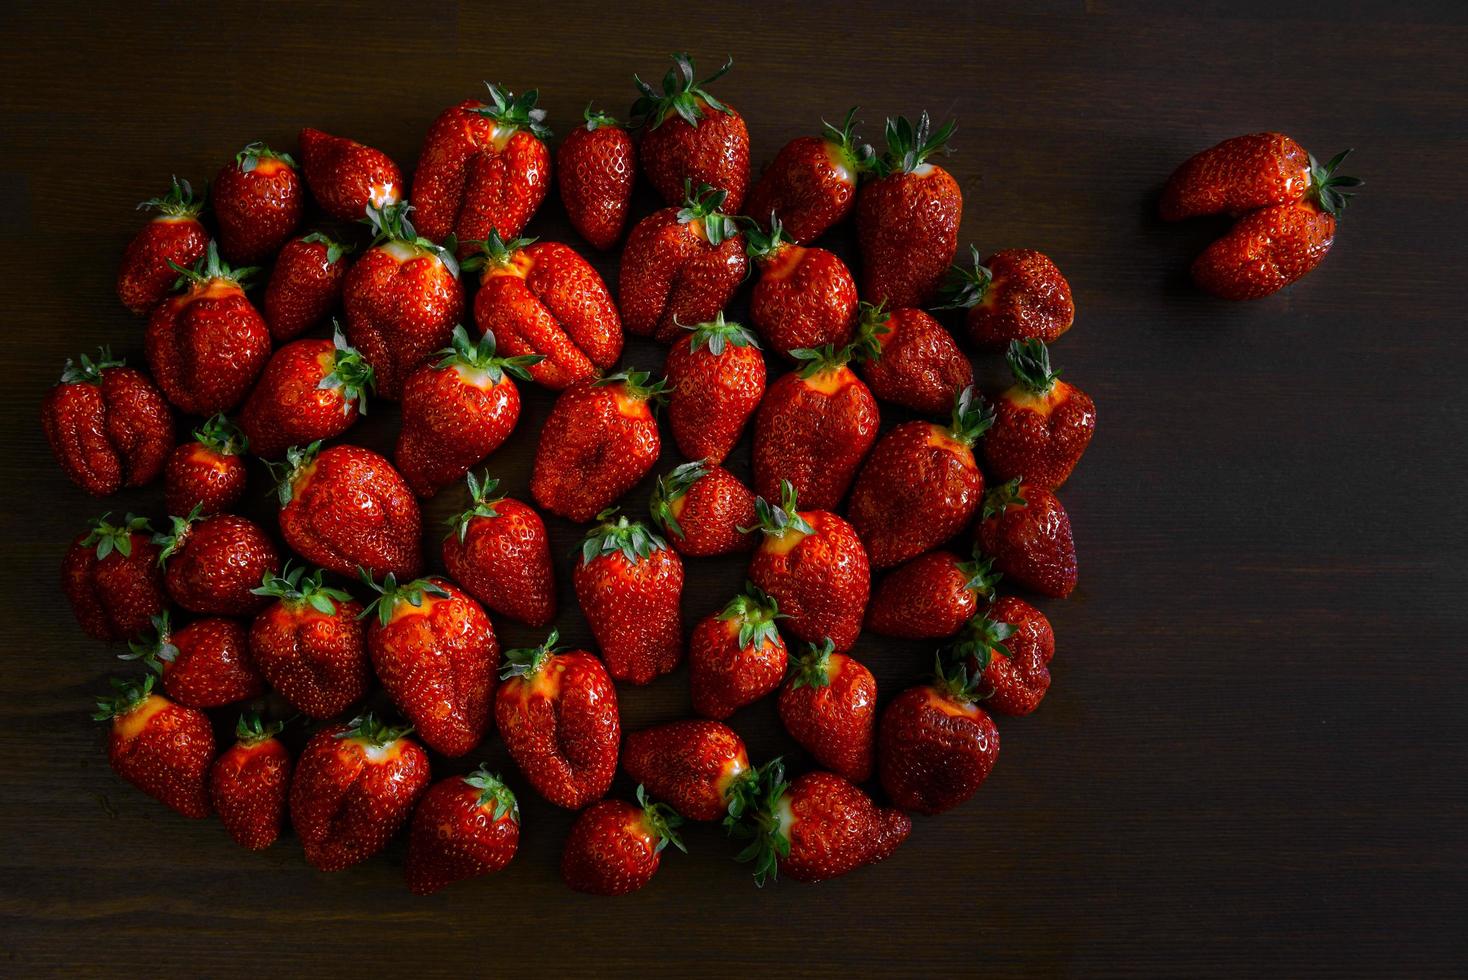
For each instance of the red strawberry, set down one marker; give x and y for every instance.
(110, 575)
(691, 136)
(1041, 425)
(212, 564)
(205, 664)
(557, 713)
(311, 390)
(805, 297)
(907, 218)
(175, 237)
(498, 552)
(1027, 533)
(346, 508)
(1009, 649)
(936, 745)
(258, 202)
(680, 265)
(820, 826)
(811, 184)
(599, 441)
(615, 847)
(931, 596)
(305, 285)
(162, 748)
(207, 344)
(346, 177)
(717, 379)
(909, 359)
(249, 782)
(735, 657)
(354, 787)
(920, 486)
(828, 704)
(402, 299)
(209, 472)
(465, 827)
(310, 644)
(704, 510)
(108, 426)
(435, 652)
(595, 168)
(1238, 175)
(693, 765)
(813, 428)
(630, 586)
(1016, 294)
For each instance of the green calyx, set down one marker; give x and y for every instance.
(297, 459)
(518, 113)
(631, 538)
(221, 436)
(179, 202)
(1004, 496)
(294, 587)
(126, 695)
(661, 820)
(857, 157)
(156, 649)
(636, 385)
(1029, 362)
(209, 268)
(703, 205)
(527, 661)
(719, 334)
(777, 521)
(391, 224)
(754, 816)
(249, 158)
(819, 360)
(251, 729)
(493, 792)
(965, 288)
(177, 534)
(374, 730)
(88, 371)
(981, 638)
(762, 246)
(908, 146)
(755, 612)
(813, 667)
(669, 489)
(982, 578)
(350, 373)
(335, 250)
(1325, 185)
(951, 676)
(873, 323)
(498, 252)
(108, 538)
(480, 356)
(481, 503)
(390, 594)
(596, 119)
(972, 416)
(681, 95)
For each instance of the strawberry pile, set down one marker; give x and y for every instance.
(337, 612)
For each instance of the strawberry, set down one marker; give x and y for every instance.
(1238, 175)
(907, 218)
(310, 390)
(498, 552)
(354, 788)
(457, 410)
(828, 704)
(920, 486)
(108, 426)
(615, 847)
(347, 177)
(909, 359)
(704, 510)
(175, 237)
(693, 765)
(402, 299)
(1016, 294)
(930, 597)
(162, 748)
(680, 265)
(599, 441)
(249, 782)
(735, 657)
(557, 714)
(691, 136)
(630, 586)
(817, 827)
(111, 578)
(805, 297)
(1042, 425)
(1009, 648)
(205, 664)
(435, 652)
(717, 378)
(208, 473)
(1027, 533)
(258, 202)
(346, 508)
(207, 344)
(305, 285)
(464, 827)
(811, 184)
(211, 565)
(813, 428)
(543, 299)
(595, 169)
(310, 644)
(936, 746)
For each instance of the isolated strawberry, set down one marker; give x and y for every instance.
(1027, 533)
(716, 378)
(930, 597)
(258, 201)
(464, 827)
(630, 587)
(1042, 425)
(249, 782)
(805, 297)
(208, 472)
(691, 136)
(310, 644)
(310, 390)
(694, 765)
(162, 748)
(704, 510)
(1009, 647)
(498, 553)
(557, 713)
(108, 426)
(205, 664)
(1016, 294)
(811, 183)
(735, 657)
(828, 704)
(346, 177)
(305, 285)
(595, 168)
(174, 237)
(936, 746)
(211, 565)
(111, 578)
(908, 358)
(1238, 175)
(615, 847)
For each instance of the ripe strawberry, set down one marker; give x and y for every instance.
(1238, 175)
(936, 746)
(207, 344)
(211, 565)
(1027, 533)
(691, 136)
(907, 218)
(545, 300)
(704, 510)
(305, 285)
(354, 787)
(615, 847)
(930, 597)
(1009, 649)
(805, 297)
(1042, 425)
(175, 237)
(108, 426)
(435, 652)
(595, 169)
(735, 657)
(347, 177)
(205, 664)
(110, 575)
(498, 552)
(828, 704)
(717, 379)
(249, 782)
(402, 299)
(909, 359)
(208, 473)
(680, 265)
(346, 508)
(811, 184)
(693, 765)
(599, 441)
(465, 827)
(310, 390)
(557, 714)
(258, 202)
(162, 748)
(1016, 294)
(630, 586)
(310, 644)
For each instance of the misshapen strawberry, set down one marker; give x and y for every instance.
(311, 390)
(735, 657)
(1240, 174)
(1042, 425)
(694, 766)
(310, 644)
(932, 596)
(205, 664)
(211, 565)
(630, 587)
(1009, 647)
(704, 510)
(811, 184)
(909, 359)
(464, 827)
(805, 297)
(1027, 533)
(162, 748)
(208, 472)
(595, 169)
(936, 746)
(1015, 294)
(111, 577)
(175, 237)
(249, 782)
(347, 177)
(498, 552)
(691, 136)
(305, 285)
(828, 704)
(258, 202)
(716, 378)
(615, 847)
(108, 426)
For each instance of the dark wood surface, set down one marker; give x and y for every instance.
(1252, 757)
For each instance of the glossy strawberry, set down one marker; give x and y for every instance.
(936, 746)
(258, 201)
(205, 664)
(346, 177)
(311, 390)
(1027, 533)
(249, 782)
(909, 359)
(1042, 425)
(108, 426)
(716, 379)
(811, 184)
(704, 510)
(690, 136)
(310, 643)
(174, 237)
(1009, 647)
(595, 168)
(464, 827)
(735, 657)
(805, 297)
(1016, 294)
(305, 285)
(615, 847)
(162, 748)
(930, 597)
(498, 552)
(694, 766)
(209, 472)
(828, 704)
(111, 578)
(212, 564)
(1240, 174)
(630, 587)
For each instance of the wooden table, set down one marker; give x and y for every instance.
(1252, 757)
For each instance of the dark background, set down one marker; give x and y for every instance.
(1252, 757)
